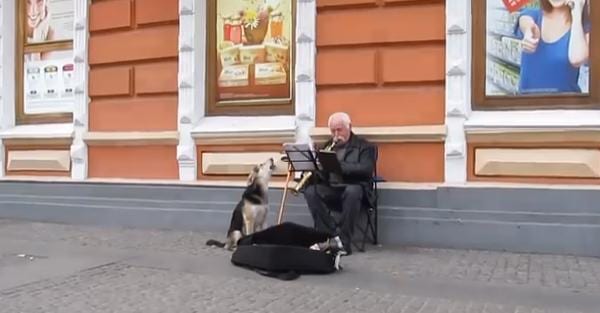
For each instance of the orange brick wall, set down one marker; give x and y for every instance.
(382, 61)
(139, 162)
(133, 56)
(133, 60)
(387, 55)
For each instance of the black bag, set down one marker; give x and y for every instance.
(283, 251)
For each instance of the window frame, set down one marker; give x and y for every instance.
(23, 48)
(524, 102)
(244, 107)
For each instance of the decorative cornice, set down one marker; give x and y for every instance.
(231, 138)
(533, 135)
(131, 138)
(33, 142)
(426, 133)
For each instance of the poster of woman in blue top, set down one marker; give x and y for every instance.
(543, 48)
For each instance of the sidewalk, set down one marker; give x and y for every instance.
(93, 269)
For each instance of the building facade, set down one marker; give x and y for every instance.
(191, 93)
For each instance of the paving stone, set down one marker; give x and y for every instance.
(121, 287)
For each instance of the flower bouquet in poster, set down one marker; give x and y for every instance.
(253, 49)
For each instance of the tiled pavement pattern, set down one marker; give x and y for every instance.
(118, 288)
(122, 286)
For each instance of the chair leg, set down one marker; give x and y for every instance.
(375, 229)
(365, 235)
(363, 232)
(372, 229)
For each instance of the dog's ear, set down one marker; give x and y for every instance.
(252, 176)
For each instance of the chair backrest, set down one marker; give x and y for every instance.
(375, 176)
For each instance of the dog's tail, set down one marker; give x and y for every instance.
(212, 242)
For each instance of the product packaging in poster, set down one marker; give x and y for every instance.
(537, 47)
(49, 85)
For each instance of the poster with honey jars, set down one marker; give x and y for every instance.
(254, 42)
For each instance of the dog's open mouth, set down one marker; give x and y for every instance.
(273, 166)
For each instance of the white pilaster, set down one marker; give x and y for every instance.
(192, 34)
(458, 87)
(7, 72)
(306, 51)
(79, 155)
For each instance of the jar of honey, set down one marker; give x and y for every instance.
(276, 24)
(226, 28)
(235, 30)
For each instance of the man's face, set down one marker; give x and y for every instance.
(339, 131)
(35, 12)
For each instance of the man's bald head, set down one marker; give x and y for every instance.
(340, 127)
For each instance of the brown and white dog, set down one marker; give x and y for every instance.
(250, 213)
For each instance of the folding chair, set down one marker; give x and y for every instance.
(370, 227)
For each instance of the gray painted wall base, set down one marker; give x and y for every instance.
(510, 219)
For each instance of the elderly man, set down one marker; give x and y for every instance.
(325, 191)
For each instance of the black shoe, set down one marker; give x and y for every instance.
(332, 245)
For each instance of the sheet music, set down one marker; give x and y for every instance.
(302, 156)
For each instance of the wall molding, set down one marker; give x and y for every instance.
(192, 121)
(528, 162)
(540, 119)
(533, 135)
(38, 142)
(239, 163)
(244, 138)
(398, 134)
(39, 160)
(131, 138)
(39, 131)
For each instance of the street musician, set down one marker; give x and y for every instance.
(325, 191)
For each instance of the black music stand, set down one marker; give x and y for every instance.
(300, 158)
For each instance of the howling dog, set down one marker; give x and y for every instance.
(250, 213)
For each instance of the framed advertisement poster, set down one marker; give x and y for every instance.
(45, 71)
(250, 56)
(48, 85)
(48, 20)
(535, 54)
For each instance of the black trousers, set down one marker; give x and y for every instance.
(347, 200)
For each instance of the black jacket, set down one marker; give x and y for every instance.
(358, 165)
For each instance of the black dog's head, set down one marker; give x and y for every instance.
(262, 172)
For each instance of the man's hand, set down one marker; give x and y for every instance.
(531, 38)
